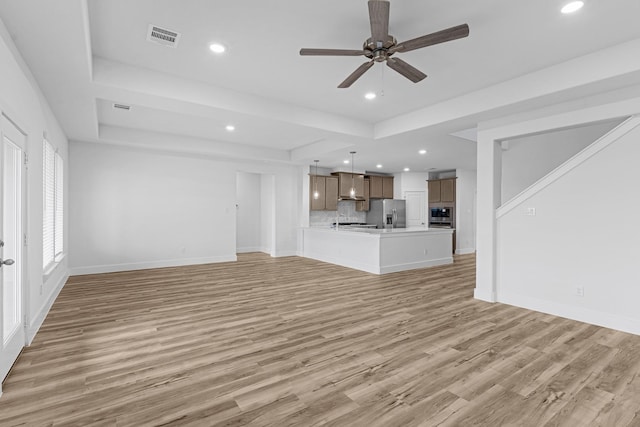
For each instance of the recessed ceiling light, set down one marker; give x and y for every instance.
(574, 6)
(422, 151)
(346, 162)
(407, 169)
(230, 128)
(217, 48)
(378, 166)
(370, 95)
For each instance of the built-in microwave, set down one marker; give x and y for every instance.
(441, 215)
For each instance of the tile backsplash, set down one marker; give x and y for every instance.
(346, 210)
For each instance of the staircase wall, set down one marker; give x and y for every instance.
(577, 257)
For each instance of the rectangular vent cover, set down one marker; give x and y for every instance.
(163, 36)
(122, 107)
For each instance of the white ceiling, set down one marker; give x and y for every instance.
(88, 54)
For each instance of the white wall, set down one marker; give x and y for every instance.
(268, 213)
(133, 209)
(288, 190)
(543, 259)
(137, 208)
(528, 159)
(465, 211)
(410, 181)
(248, 212)
(22, 101)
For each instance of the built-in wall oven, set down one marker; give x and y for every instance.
(441, 215)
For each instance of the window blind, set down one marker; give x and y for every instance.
(48, 224)
(59, 214)
(53, 205)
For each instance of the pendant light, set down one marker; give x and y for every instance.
(352, 193)
(316, 195)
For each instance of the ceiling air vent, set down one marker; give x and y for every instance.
(122, 107)
(163, 36)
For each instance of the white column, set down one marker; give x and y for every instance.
(489, 191)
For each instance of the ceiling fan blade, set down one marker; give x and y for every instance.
(331, 52)
(379, 19)
(356, 74)
(405, 69)
(449, 34)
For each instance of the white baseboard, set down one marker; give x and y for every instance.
(374, 268)
(414, 265)
(285, 253)
(36, 321)
(484, 295)
(586, 315)
(248, 249)
(97, 269)
(277, 254)
(465, 251)
(265, 250)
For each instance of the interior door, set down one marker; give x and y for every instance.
(11, 253)
(415, 208)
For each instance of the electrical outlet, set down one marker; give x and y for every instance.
(580, 291)
(530, 212)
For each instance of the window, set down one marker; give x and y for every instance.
(53, 206)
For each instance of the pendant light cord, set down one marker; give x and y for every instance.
(353, 184)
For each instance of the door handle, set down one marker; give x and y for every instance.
(6, 262)
(1, 243)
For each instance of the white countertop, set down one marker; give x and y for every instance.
(379, 231)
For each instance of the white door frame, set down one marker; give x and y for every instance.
(19, 338)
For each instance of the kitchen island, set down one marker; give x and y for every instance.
(379, 251)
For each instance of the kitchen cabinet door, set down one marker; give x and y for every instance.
(387, 187)
(317, 183)
(448, 190)
(434, 191)
(363, 206)
(347, 181)
(331, 193)
(375, 190)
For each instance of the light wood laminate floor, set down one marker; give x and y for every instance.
(296, 342)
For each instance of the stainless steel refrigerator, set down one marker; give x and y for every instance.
(387, 213)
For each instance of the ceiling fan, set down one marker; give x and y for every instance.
(381, 45)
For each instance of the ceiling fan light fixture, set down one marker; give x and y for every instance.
(382, 45)
(572, 7)
(217, 48)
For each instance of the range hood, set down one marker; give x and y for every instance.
(353, 199)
